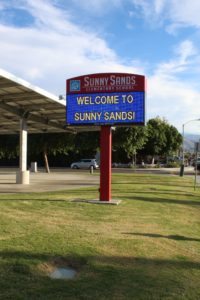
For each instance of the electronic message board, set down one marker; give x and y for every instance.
(106, 99)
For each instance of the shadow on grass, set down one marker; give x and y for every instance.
(175, 237)
(72, 199)
(155, 191)
(161, 200)
(102, 277)
(30, 195)
(152, 182)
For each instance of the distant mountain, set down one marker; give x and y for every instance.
(190, 140)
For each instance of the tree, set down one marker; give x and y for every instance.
(174, 140)
(163, 139)
(50, 143)
(9, 146)
(86, 144)
(131, 139)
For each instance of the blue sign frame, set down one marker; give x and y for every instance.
(118, 108)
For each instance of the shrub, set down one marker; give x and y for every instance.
(173, 164)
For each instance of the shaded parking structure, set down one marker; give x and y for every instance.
(24, 109)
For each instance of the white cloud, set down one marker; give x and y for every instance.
(172, 99)
(185, 12)
(185, 50)
(145, 6)
(178, 14)
(151, 10)
(98, 6)
(171, 96)
(54, 49)
(159, 6)
(186, 56)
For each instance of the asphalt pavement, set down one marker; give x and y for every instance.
(65, 178)
(41, 181)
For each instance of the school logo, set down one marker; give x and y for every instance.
(75, 85)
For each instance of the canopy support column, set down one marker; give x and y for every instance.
(22, 176)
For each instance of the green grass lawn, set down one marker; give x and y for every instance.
(148, 247)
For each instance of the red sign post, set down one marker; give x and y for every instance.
(106, 99)
(106, 160)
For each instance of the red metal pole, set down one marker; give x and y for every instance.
(105, 163)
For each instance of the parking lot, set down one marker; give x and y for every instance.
(58, 179)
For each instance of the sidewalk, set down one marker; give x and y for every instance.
(46, 182)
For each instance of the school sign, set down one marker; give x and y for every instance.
(106, 99)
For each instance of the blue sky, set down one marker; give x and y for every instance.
(47, 41)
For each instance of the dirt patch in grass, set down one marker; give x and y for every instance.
(49, 267)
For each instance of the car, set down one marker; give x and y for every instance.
(86, 163)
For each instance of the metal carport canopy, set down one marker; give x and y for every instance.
(43, 111)
(24, 107)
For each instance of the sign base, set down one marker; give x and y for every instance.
(111, 202)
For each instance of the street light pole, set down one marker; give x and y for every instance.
(183, 150)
